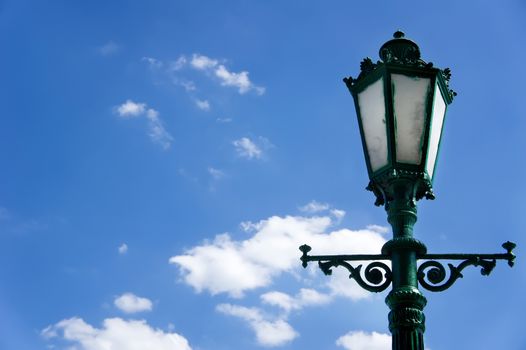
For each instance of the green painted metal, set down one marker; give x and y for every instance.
(400, 56)
(398, 187)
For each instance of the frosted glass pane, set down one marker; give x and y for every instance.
(409, 104)
(439, 111)
(372, 111)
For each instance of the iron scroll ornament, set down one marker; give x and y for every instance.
(376, 276)
(431, 274)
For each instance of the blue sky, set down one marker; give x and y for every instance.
(162, 160)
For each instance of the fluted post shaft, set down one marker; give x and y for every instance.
(406, 318)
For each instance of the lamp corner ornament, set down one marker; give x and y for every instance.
(367, 66)
(446, 74)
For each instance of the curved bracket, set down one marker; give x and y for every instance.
(432, 273)
(376, 276)
(436, 273)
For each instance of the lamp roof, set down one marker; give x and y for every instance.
(400, 50)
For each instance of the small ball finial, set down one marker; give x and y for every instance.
(400, 50)
(398, 34)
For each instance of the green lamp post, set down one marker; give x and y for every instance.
(401, 103)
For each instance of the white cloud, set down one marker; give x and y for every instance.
(246, 148)
(115, 333)
(359, 340)
(239, 80)
(268, 332)
(201, 62)
(211, 67)
(108, 49)
(338, 214)
(131, 303)
(314, 207)
(225, 265)
(306, 297)
(203, 105)
(249, 226)
(131, 109)
(378, 228)
(340, 284)
(123, 248)
(224, 120)
(216, 173)
(156, 129)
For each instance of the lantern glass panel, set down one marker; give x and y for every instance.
(437, 120)
(371, 102)
(409, 105)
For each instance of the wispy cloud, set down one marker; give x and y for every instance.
(216, 173)
(203, 105)
(214, 68)
(305, 297)
(268, 332)
(153, 62)
(156, 129)
(188, 85)
(314, 207)
(131, 303)
(179, 63)
(239, 80)
(224, 120)
(108, 49)
(360, 340)
(246, 148)
(123, 249)
(115, 333)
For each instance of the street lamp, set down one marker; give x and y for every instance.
(401, 104)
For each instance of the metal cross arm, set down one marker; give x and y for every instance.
(431, 274)
(377, 275)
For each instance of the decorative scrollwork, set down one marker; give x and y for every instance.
(432, 274)
(377, 276)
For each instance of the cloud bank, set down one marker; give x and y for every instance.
(115, 333)
(226, 265)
